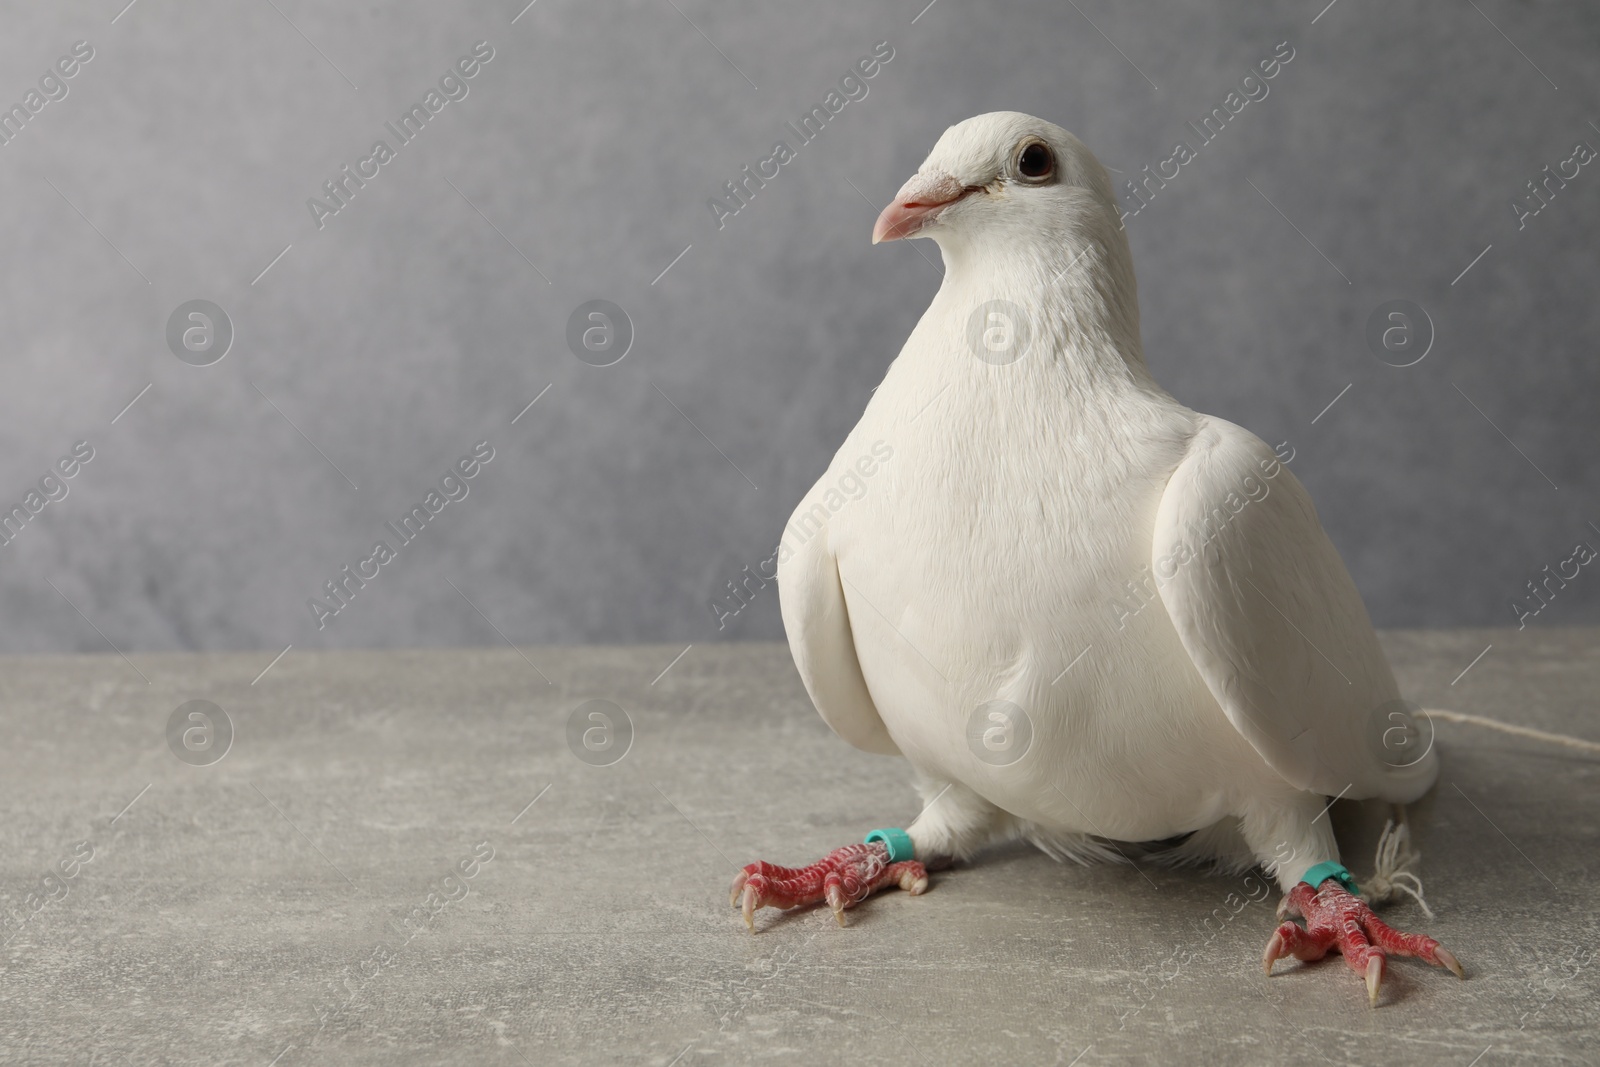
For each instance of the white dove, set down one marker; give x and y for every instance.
(1083, 612)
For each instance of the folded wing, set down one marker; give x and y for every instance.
(1267, 612)
(818, 625)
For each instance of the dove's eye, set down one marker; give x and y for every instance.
(1036, 162)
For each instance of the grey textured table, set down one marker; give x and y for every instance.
(234, 913)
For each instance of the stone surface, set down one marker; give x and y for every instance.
(231, 903)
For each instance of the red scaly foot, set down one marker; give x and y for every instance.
(1337, 919)
(844, 878)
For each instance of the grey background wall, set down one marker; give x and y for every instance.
(424, 315)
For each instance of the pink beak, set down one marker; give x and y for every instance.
(917, 203)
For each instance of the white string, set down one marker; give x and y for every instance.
(1521, 731)
(1392, 874)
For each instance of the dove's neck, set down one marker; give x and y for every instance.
(1077, 291)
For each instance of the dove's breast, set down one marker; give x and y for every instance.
(991, 563)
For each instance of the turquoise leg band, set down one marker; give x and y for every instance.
(899, 843)
(1323, 871)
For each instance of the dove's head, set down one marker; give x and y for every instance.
(1022, 211)
(1002, 177)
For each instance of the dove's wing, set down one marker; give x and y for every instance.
(1265, 608)
(818, 625)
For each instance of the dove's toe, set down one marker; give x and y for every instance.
(1337, 919)
(843, 878)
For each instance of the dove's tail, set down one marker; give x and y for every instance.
(1520, 731)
